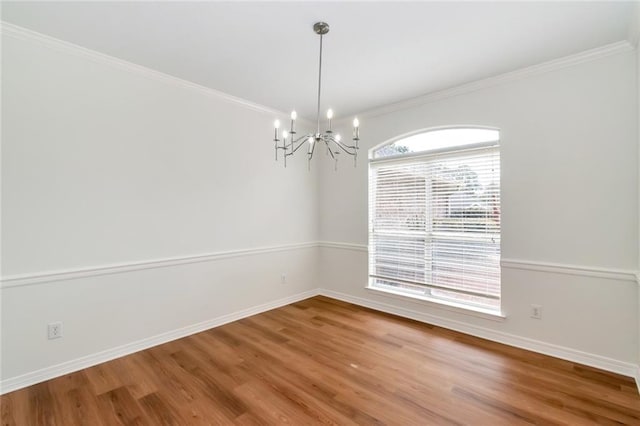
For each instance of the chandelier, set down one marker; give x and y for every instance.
(333, 142)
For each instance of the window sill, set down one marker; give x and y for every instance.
(443, 304)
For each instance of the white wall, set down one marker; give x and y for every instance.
(105, 164)
(634, 36)
(109, 170)
(569, 201)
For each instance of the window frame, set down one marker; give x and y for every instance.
(453, 151)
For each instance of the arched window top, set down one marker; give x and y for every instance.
(437, 140)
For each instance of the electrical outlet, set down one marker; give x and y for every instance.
(536, 311)
(55, 330)
(283, 278)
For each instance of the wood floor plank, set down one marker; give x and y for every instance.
(121, 408)
(43, 405)
(323, 361)
(160, 411)
(7, 410)
(82, 408)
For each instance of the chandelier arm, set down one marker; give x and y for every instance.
(306, 137)
(351, 150)
(312, 149)
(303, 138)
(333, 139)
(329, 139)
(300, 141)
(330, 151)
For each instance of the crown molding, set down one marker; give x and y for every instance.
(22, 33)
(25, 34)
(544, 67)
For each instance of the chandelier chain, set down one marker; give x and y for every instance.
(319, 85)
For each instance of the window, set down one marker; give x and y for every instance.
(434, 217)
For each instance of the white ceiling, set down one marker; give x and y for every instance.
(375, 54)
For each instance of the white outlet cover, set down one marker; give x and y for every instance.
(54, 330)
(536, 311)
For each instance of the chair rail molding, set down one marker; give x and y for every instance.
(529, 265)
(70, 274)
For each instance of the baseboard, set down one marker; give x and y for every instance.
(604, 363)
(19, 382)
(573, 355)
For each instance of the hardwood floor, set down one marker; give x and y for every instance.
(325, 361)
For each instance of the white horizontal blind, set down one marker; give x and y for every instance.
(435, 225)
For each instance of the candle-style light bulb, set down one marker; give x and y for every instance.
(310, 150)
(276, 125)
(294, 115)
(330, 114)
(284, 135)
(338, 137)
(356, 130)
